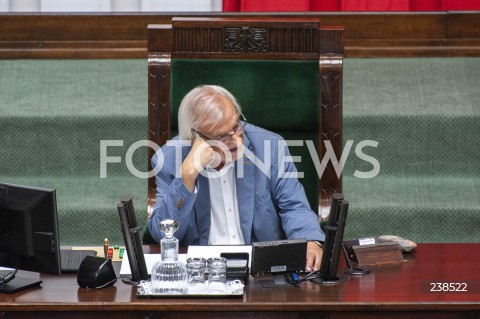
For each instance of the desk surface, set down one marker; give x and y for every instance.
(403, 288)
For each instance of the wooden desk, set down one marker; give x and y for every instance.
(400, 290)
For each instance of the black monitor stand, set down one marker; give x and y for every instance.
(10, 283)
(333, 239)
(278, 280)
(131, 235)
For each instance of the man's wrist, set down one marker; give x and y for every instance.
(318, 243)
(189, 176)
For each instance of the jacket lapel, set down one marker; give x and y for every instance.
(245, 182)
(202, 210)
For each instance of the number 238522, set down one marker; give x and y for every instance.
(448, 287)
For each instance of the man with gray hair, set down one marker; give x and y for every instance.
(211, 183)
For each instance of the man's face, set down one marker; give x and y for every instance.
(226, 136)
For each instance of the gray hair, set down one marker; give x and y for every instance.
(202, 105)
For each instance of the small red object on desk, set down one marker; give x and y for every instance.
(110, 253)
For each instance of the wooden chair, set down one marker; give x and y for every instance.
(286, 74)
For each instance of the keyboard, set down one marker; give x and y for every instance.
(71, 259)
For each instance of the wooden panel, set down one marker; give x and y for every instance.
(160, 39)
(244, 37)
(463, 25)
(73, 27)
(327, 42)
(246, 315)
(83, 27)
(390, 25)
(114, 35)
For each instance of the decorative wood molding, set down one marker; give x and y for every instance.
(331, 125)
(158, 103)
(245, 39)
(118, 35)
(217, 36)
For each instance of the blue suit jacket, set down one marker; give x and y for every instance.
(270, 208)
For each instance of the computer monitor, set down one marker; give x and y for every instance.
(28, 234)
(333, 241)
(133, 243)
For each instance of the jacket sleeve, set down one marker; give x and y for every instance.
(173, 200)
(298, 219)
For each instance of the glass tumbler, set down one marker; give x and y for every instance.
(196, 275)
(217, 275)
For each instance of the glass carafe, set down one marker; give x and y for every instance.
(169, 276)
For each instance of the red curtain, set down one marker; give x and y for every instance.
(450, 5)
(266, 5)
(375, 5)
(325, 5)
(348, 5)
(425, 5)
(231, 5)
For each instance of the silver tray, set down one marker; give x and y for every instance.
(145, 293)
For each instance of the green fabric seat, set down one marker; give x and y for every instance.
(53, 115)
(423, 112)
(425, 115)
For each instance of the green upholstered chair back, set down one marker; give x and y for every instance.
(286, 74)
(280, 96)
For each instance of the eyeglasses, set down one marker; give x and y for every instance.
(236, 130)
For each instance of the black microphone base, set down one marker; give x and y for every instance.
(330, 282)
(356, 271)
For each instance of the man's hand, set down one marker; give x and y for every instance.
(314, 256)
(200, 155)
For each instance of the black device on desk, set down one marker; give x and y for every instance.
(334, 230)
(72, 258)
(28, 234)
(279, 256)
(133, 243)
(237, 266)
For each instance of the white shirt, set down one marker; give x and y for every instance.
(225, 218)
